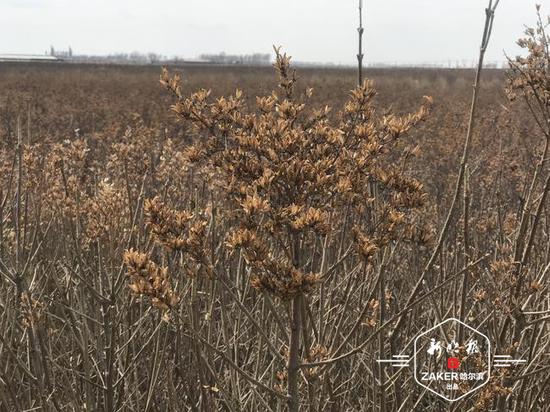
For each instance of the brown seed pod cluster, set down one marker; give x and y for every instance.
(286, 168)
(150, 280)
(32, 310)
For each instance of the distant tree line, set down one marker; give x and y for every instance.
(122, 58)
(153, 58)
(60, 53)
(223, 58)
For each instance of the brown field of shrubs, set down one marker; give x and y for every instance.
(262, 245)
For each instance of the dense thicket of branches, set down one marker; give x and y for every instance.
(258, 254)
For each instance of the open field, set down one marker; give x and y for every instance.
(105, 100)
(146, 265)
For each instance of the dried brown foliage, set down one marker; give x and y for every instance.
(285, 169)
(277, 238)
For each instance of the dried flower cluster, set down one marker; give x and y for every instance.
(32, 310)
(150, 280)
(286, 168)
(528, 76)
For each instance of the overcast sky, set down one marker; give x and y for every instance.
(396, 31)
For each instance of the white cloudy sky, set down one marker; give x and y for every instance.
(397, 31)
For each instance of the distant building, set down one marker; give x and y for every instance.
(28, 58)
